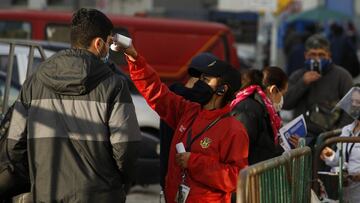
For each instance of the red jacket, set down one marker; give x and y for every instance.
(216, 157)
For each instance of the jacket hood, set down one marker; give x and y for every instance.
(73, 72)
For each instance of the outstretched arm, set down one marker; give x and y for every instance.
(167, 104)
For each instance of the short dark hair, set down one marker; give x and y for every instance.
(87, 24)
(274, 75)
(317, 41)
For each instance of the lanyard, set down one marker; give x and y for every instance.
(347, 152)
(190, 141)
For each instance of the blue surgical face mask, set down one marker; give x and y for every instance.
(105, 58)
(325, 64)
(320, 66)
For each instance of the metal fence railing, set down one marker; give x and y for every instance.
(286, 178)
(12, 43)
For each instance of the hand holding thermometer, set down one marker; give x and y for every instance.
(120, 41)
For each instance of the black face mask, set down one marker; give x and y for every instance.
(201, 92)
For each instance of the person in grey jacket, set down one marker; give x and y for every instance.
(315, 89)
(75, 121)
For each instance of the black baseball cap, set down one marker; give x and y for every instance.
(209, 64)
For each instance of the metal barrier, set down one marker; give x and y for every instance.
(12, 44)
(326, 135)
(285, 179)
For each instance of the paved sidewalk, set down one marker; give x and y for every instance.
(139, 194)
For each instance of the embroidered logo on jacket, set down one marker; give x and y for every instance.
(205, 143)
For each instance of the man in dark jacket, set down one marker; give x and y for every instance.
(315, 89)
(75, 121)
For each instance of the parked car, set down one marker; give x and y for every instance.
(148, 165)
(167, 44)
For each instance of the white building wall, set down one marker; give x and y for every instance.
(126, 7)
(129, 7)
(246, 5)
(37, 4)
(306, 4)
(250, 5)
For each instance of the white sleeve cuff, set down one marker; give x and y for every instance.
(330, 158)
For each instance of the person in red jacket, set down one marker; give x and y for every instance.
(216, 143)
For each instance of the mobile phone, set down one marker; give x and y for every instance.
(315, 66)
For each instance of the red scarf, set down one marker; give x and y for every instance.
(274, 117)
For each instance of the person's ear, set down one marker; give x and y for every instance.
(98, 44)
(273, 89)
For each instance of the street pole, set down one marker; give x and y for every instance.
(274, 33)
(260, 43)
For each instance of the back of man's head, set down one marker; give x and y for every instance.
(317, 41)
(87, 24)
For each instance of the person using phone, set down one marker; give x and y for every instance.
(317, 87)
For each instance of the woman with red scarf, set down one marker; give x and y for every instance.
(257, 105)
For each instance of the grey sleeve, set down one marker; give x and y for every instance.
(17, 134)
(296, 91)
(124, 133)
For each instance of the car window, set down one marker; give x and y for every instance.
(57, 33)
(15, 29)
(4, 60)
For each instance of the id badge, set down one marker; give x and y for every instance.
(182, 193)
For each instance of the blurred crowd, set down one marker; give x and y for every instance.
(72, 135)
